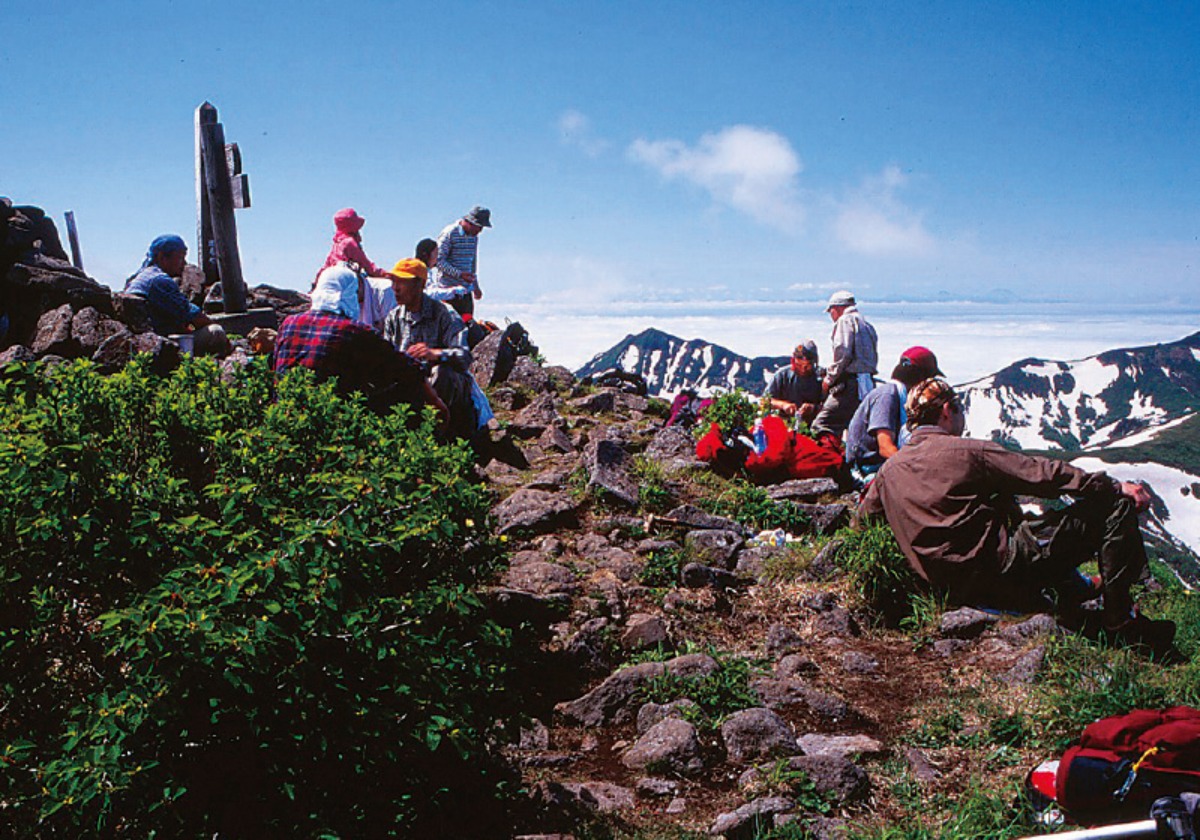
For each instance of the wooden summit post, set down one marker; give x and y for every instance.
(215, 203)
(73, 238)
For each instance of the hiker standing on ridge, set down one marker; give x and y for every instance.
(796, 390)
(951, 502)
(849, 377)
(879, 426)
(455, 277)
(169, 310)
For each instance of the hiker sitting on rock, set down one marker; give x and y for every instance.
(168, 309)
(329, 341)
(795, 391)
(951, 503)
(879, 426)
(434, 335)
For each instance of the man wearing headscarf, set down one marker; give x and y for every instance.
(169, 310)
(329, 341)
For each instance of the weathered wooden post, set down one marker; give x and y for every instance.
(204, 237)
(73, 238)
(219, 193)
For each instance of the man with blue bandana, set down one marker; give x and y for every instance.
(169, 310)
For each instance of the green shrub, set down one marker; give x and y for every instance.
(754, 507)
(730, 410)
(227, 613)
(662, 568)
(878, 571)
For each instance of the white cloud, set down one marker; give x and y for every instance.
(575, 129)
(871, 220)
(753, 170)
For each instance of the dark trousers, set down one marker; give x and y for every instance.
(838, 409)
(463, 304)
(1044, 552)
(454, 387)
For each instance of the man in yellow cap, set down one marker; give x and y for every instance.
(434, 335)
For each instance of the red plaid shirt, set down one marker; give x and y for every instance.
(332, 345)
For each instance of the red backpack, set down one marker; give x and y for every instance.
(1125, 762)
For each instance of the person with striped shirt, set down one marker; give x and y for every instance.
(454, 277)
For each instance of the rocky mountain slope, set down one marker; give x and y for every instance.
(670, 364)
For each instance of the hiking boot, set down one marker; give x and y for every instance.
(1154, 635)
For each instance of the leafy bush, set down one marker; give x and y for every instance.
(730, 410)
(662, 568)
(227, 613)
(754, 507)
(878, 571)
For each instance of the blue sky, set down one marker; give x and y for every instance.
(637, 152)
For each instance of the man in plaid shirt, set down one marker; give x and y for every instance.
(328, 341)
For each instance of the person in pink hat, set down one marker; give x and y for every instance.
(347, 244)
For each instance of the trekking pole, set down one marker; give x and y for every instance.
(1143, 828)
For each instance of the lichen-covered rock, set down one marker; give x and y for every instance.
(757, 734)
(782, 639)
(608, 466)
(1025, 670)
(16, 354)
(835, 777)
(670, 746)
(90, 328)
(612, 701)
(644, 631)
(116, 352)
(745, 822)
(601, 402)
(529, 374)
(671, 443)
(53, 333)
(803, 489)
(541, 577)
(652, 713)
(965, 623)
(535, 512)
(697, 518)
(713, 548)
(535, 418)
(699, 576)
(815, 743)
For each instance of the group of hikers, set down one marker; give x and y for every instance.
(953, 502)
(383, 333)
(401, 336)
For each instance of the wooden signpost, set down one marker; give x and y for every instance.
(221, 187)
(73, 238)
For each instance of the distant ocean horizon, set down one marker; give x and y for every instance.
(971, 340)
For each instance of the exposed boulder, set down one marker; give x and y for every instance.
(670, 746)
(713, 548)
(757, 734)
(117, 350)
(535, 512)
(965, 623)
(747, 821)
(53, 333)
(90, 328)
(608, 465)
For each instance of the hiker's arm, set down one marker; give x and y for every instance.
(886, 442)
(843, 350)
(1047, 478)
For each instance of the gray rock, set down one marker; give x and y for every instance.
(670, 746)
(608, 467)
(745, 822)
(697, 518)
(826, 828)
(555, 438)
(644, 631)
(53, 333)
(90, 329)
(631, 402)
(794, 665)
(17, 354)
(825, 519)
(601, 797)
(491, 360)
(656, 546)
(652, 788)
(39, 285)
(512, 607)
(117, 350)
(536, 417)
(835, 777)
(652, 713)
(923, 771)
(536, 737)
(529, 374)
(835, 622)
(841, 745)
(820, 601)
(1026, 669)
(752, 562)
(560, 377)
(535, 512)
(541, 577)
(803, 489)
(757, 734)
(506, 398)
(670, 443)
(602, 402)
(549, 480)
(859, 663)
(699, 576)
(965, 623)
(588, 648)
(946, 648)
(782, 639)
(612, 700)
(676, 806)
(713, 548)
(824, 565)
(779, 693)
(1033, 627)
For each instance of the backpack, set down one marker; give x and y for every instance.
(1124, 763)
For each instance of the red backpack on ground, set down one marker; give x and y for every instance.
(1125, 762)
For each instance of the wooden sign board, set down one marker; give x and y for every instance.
(241, 191)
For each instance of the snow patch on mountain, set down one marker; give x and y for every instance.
(1178, 520)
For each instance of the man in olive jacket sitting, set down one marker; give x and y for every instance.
(951, 502)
